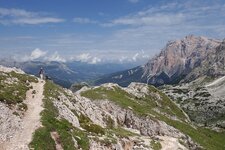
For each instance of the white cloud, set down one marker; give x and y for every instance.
(87, 58)
(33, 21)
(134, 1)
(135, 57)
(20, 16)
(95, 60)
(34, 55)
(37, 53)
(55, 57)
(172, 14)
(84, 21)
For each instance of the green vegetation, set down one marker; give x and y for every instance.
(65, 130)
(14, 87)
(141, 106)
(51, 124)
(82, 139)
(22, 107)
(121, 132)
(156, 145)
(207, 138)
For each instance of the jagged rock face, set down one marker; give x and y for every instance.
(212, 65)
(179, 57)
(10, 123)
(204, 103)
(145, 125)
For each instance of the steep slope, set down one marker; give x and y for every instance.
(123, 78)
(30, 121)
(174, 62)
(103, 117)
(20, 108)
(212, 65)
(108, 117)
(203, 100)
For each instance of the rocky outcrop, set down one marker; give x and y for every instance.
(9, 121)
(178, 58)
(202, 100)
(212, 65)
(7, 69)
(146, 125)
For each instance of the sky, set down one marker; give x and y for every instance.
(99, 31)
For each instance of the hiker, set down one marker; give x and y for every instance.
(41, 73)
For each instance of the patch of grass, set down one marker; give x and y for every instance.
(16, 113)
(156, 145)
(209, 139)
(121, 132)
(42, 140)
(109, 121)
(94, 128)
(81, 138)
(24, 77)
(15, 92)
(141, 106)
(22, 107)
(87, 124)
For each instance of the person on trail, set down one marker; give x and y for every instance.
(41, 73)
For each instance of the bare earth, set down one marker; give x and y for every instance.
(169, 143)
(30, 121)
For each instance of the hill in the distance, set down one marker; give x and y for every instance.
(65, 74)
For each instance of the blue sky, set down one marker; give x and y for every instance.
(96, 31)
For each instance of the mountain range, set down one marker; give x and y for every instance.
(67, 73)
(179, 61)
(39, 114)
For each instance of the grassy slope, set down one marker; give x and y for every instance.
(15, 92)
(209, 139)
(42, 139)
(141, 106)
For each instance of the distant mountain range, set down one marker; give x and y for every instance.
(179, 61)
(65, 74)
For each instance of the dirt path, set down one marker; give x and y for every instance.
(169, 143)
(31, 119)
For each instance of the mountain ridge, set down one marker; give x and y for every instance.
(175, 61)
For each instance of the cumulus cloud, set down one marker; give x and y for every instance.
(34, 55)
(37, 53)
(87, 58)
(40, 55)
(21, 16)
(55, 57)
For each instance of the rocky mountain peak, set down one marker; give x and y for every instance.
(180, 56)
